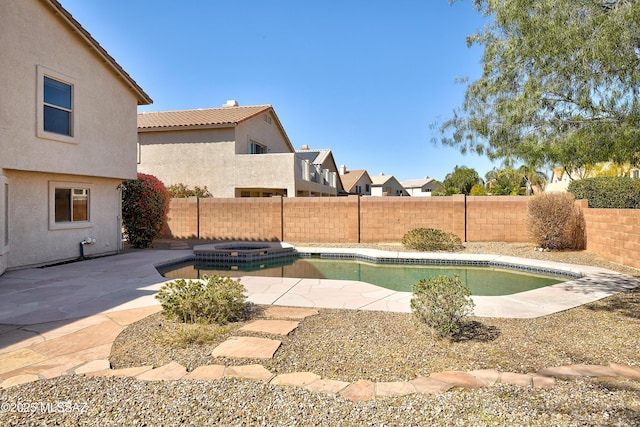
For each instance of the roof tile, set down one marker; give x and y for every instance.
(201, 117)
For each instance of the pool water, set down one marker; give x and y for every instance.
(482, 281)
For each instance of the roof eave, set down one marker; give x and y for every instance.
(143, 98)
(187, 127)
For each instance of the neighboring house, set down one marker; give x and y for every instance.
(560, 178)
(355, 181)
(67, 137)
(386, 185)
(323, 165)
(421, 187)
(235, 151)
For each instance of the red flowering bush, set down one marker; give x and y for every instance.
(145, 204)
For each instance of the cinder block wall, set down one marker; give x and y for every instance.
(497, 219)
(614, 234)
(183, 218)
(321, 219)
(241, 218)
(387, 219)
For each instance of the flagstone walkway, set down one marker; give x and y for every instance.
(82, 348)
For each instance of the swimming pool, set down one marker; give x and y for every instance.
(484, 280)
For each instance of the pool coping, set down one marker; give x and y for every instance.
(590, 284)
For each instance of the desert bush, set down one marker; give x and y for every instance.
(145, 205)
(608, 192)
(215, 299)
(555, 222)
(431, 239)
(443, 303)
(182, 191)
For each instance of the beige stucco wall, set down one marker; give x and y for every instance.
(35, 42)
(105, 110)
(268, 134)
(32, 242)
(217, 157)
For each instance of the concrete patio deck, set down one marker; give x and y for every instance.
(63, 319)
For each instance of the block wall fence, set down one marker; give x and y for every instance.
(613, 234)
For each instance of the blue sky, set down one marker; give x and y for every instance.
(363, 78)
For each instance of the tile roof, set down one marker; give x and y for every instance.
(415, 183)
(350, 178)
(380, 179)
(143, 98)
(202, 117)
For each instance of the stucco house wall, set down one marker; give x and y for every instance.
(210, 148)
(99, 154)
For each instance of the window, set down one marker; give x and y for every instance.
(72, 204)
(358, 189)
(56, 107)
(69, 205)
(256, 148)
(367, 188)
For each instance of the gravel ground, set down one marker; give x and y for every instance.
(350, 345)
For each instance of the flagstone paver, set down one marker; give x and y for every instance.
(209, 372)
(394, 388)
(93, 366)
(458, 379)
(429, 385)
(486, 376)
(269, 326)
(247, 347)
(19, 379)
(327, 386)
(559, 372)
(595, 371)
(170, 371)
(542, 382)
(297, 379)
(19, 359)
(360, 391)
(523, 380)
(250, 372)
(123, 372)
(626, 371)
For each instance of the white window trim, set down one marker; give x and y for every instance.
(53, 225)
(40, 132)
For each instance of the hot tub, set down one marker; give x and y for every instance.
(242, 251)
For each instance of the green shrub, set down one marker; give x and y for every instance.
(478, 190)
(431, 239)
(215, 299)
(443, 303)
(183, 191)
(145, 204)
(555, 222)
(608, 192)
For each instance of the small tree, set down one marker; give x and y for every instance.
(145, 204)
(443, 303)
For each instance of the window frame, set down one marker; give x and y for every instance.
(63, 185)
(43, 72)
(253, 143)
